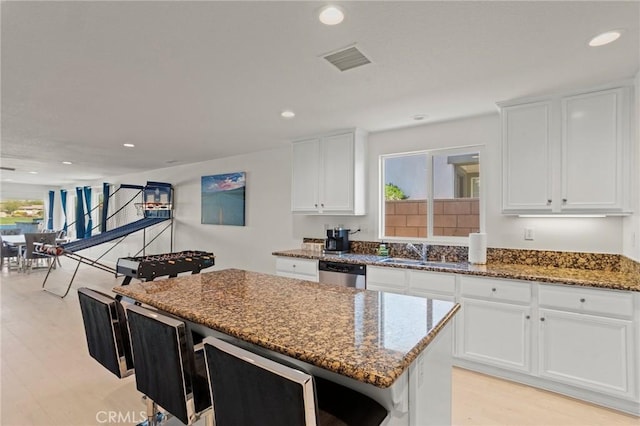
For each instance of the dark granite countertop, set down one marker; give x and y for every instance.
(581, 277)
(369, 336)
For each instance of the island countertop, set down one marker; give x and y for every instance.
(366, 335)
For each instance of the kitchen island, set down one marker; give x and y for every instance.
(394, 348)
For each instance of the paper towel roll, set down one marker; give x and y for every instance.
(478, 248)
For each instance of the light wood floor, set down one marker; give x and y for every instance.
(48, 378)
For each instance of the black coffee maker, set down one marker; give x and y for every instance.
(337, 241)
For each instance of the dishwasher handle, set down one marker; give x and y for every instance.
(343, 268)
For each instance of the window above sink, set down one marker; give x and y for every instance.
(433, 195)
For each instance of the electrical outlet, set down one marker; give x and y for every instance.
(529, 234)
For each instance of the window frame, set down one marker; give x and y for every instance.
(430, 153)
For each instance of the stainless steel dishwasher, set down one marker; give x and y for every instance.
(344, 274)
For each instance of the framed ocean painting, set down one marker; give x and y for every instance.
(223, 199)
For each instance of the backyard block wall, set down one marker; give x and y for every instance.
(408, 218)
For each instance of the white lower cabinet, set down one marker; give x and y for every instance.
(391, 280)
(495, 333)
(589, 351)
(569, 339)
(432, 285)
(494, 324)
(302, 269)
(586, 339)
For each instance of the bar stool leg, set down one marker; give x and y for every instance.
(152, 413)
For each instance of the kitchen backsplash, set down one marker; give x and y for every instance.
(559, 259)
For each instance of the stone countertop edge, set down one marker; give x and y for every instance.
(169, 295)
(545, 274)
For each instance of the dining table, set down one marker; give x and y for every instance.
(19, 242)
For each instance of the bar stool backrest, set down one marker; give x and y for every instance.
(106, 331)
(165, 363)
(248, 389)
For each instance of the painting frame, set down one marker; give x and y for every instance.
(223, 199)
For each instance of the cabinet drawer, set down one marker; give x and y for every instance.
(297, 266)
(603, 302)
(387, 277)
(493, 289)
(432, 282)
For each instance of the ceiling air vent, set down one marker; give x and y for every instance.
(348, 58)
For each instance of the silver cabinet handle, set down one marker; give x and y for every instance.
(583, 300)
(549, 202)
(322, 205)
(315, 205)
(564, 201)
(527, 317)
(493, 289)
(542, 319)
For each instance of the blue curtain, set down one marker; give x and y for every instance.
(79, 213)
(52, 195)
(87, 199)
(63, 198)
(105, 207)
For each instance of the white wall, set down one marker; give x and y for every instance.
(631, 229)
(271, 225)
(268, 217)
(603, 235)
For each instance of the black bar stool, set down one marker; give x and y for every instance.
(168, 370)
(105, 327)
(250, 390)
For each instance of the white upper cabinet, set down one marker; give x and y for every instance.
(568, 153)
(329, 174)
(526, 157)
(593, 144)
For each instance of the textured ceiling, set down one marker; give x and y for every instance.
(191, 81)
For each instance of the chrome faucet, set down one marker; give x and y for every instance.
(422, 253)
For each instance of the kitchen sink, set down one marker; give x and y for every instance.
(416, 262)
(401, 261)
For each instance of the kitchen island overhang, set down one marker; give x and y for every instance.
(394, 348)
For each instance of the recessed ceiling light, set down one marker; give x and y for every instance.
(33, 173)
(128, 145)
(605, 38)
(67, 162)
(419, 117)
(331, 15)
(287, 114)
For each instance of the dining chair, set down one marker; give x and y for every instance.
(169, 372)
(31, 255)
(8, 252)
(105, 326)
(279, 394)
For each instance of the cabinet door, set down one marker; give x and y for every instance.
(305, 180)
(592, 151)
(494, 333)
(392, 280)
(588, 351)
(336, 183)
(526, 171)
